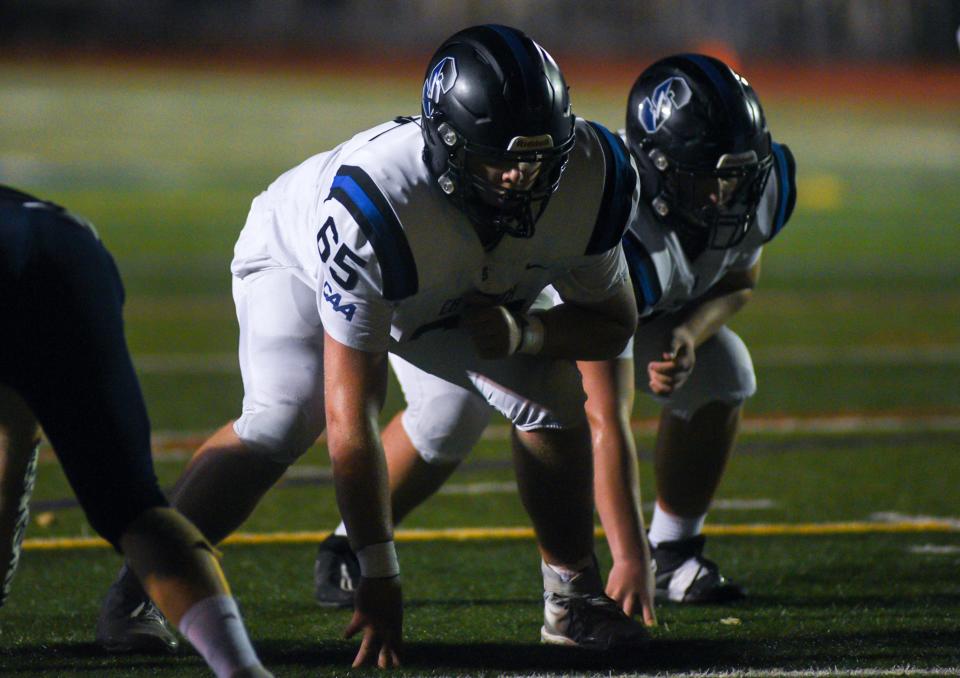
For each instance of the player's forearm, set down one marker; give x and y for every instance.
(363, 496)
(617, 491)
(708, 317)
(596, 332)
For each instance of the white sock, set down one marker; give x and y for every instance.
(213, 626)
(667, 527)
(341, 530)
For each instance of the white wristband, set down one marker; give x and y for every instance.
(379, 561)
(531, 338)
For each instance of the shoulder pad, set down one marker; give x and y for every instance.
(359, 194)
(784, 173)
(619, 183)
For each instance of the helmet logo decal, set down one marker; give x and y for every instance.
(440, 81)
(668, 96)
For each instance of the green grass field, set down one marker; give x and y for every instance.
(857, 316)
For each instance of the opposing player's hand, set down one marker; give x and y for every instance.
(378, 612)
(631, 584)
(494, 331)
(672, 372)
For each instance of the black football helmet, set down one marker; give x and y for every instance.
(697, 131)
(493, 100)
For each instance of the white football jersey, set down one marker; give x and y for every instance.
(391, 258)
(665, 279)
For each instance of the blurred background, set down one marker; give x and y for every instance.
(819, 30)
(160, 120)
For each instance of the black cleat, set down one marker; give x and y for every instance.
(685, 576)
(336, 573)
(576, 612)
(589, 621)
(130, 622)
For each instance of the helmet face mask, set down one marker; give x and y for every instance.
(702, 146)
(721, 201)
(497, 127)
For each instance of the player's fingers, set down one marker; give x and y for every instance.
(368, 651)
(388, 658)
(628, 605)
(356, 623)
(649, 615)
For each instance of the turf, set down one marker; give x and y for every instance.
(856, 314)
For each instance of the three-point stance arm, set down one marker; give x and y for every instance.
(354, 384)
(610, 395)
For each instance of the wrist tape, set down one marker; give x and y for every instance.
(531, 334)
(379, 561)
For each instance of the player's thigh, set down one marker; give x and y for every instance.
(281, 363)
(443, 420)
(533, 392)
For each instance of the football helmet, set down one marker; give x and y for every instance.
(495, 103)
(698, 133)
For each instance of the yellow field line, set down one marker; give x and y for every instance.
(478, 533)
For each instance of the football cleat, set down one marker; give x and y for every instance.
(336, 572)
(130, 622)
(685, 576)
(576, 612)
(590, 621)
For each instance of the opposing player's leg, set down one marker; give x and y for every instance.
(80, 383)
(19, 439)
(696, 436)
(424, 445)
(281, 363)
(180, 571)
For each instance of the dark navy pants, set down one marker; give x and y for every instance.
(62, 348)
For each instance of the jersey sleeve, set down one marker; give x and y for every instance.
(620, 192)
(597, 278)
(784, 173)
(366, 262)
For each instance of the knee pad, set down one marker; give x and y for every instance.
(281, 433)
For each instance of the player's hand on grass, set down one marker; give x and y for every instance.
(631, 585)
(672, 372)
(378, 612)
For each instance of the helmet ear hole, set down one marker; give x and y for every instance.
(448, 135)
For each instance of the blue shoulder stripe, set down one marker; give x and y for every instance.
(354, 189)
(620, 180)
(643, 272)
(785, 171)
